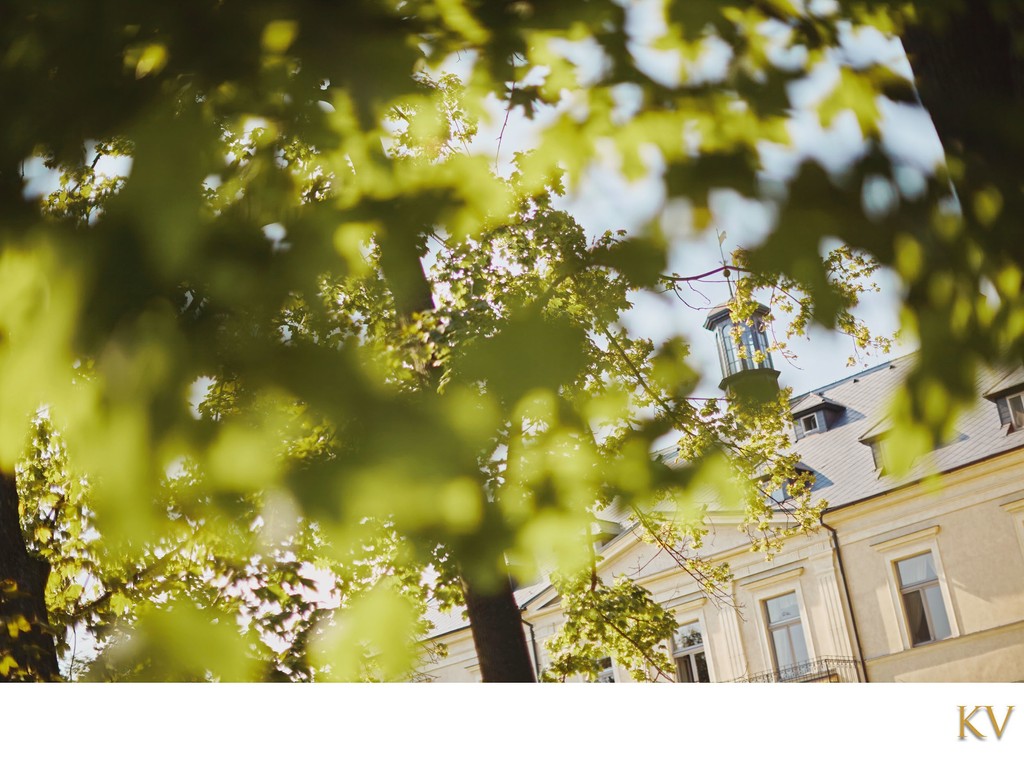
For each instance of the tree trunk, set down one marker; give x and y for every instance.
(27, 650)
(494, 616)
(497, 626)
(970, 78)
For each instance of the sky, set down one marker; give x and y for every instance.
(605, 200)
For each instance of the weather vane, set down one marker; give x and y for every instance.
(725, 265)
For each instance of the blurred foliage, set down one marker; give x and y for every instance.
(288, 356)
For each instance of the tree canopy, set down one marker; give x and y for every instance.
(285, 354)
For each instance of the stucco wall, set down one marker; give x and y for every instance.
(970, 521)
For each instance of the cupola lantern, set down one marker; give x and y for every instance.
(749, 373)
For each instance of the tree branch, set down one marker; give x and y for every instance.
(135, 579)
(723, 269)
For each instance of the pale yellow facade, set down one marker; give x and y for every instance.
(972, 521)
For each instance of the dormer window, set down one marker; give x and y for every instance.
(1011, 409)
(1008, 395)
(876, 438)
(782, 493)
(815, 413)
(1015, 404)
(877, 456)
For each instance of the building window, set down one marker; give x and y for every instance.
(780, 494)
(923, 606)
(605, 671)
(691, 659)
(1016, 406)
(786, 633)
(752, 339)
(880, 455)
(1011, 409)
(809, 423)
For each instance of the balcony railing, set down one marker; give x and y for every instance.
(826, 670)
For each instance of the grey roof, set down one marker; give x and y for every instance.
(813, 401)
(876, 430)
(843, 465)
(445, 622)
(1010, 380)
(722, 308)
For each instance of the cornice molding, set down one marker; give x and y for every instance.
(906, 539)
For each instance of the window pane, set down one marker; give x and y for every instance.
(729, 347)
(796, 637)
(917, 623)
(748, 346)
(702, 668)
(763, 340)
(917, 569)
(1017, 411)
(782, 608)
(684, 670)
(688, 637)
(783, 653)
(937, 609)
(605, 671)
(759, 336)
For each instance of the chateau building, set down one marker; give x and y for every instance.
(917, 577)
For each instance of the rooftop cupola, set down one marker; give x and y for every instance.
(749, 372)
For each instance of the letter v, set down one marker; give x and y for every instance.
(992, 718)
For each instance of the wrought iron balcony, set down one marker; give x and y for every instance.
(829, 670)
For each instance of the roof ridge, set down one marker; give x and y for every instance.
(863, 372)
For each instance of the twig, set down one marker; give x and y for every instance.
(702, 580)
(722, 269)
(501, 134)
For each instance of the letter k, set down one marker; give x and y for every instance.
(965, 723)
